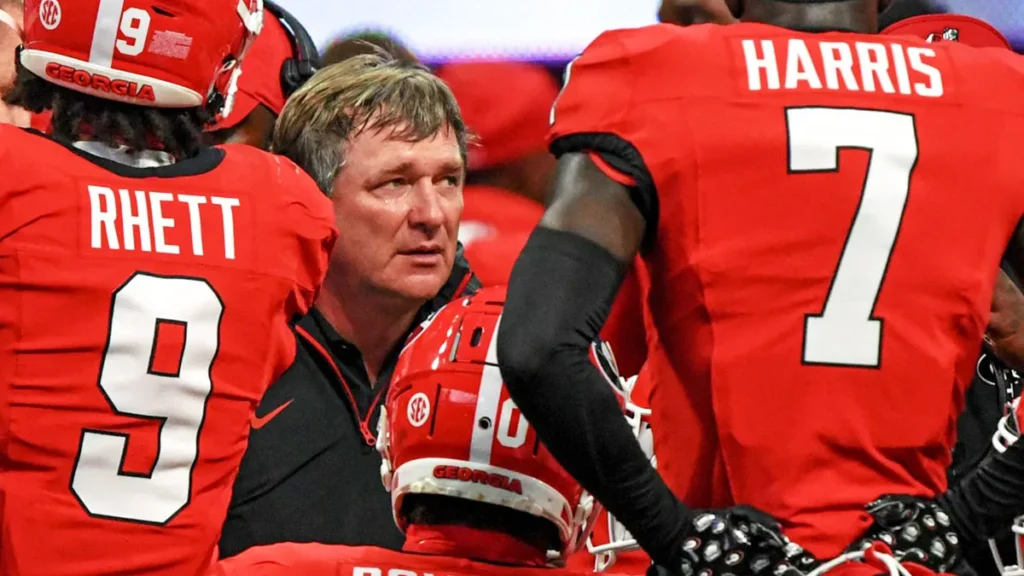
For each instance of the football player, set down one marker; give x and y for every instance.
(146, 284)
(282, 59)
(995, 383)
(783, 178)
(472, 487)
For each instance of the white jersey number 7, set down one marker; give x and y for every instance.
(846, 332)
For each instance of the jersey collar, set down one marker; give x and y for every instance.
(471, 543)
(121, 155)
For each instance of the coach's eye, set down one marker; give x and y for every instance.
(394, 183)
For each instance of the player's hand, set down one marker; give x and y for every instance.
(741, 541)
(917, 530)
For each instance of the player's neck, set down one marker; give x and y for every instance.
(373, 324)
(848, 16)
(472, 543)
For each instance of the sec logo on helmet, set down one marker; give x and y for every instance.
(50, 14)
(419, 409)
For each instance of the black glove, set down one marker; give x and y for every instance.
(917, 530)
(741, 541)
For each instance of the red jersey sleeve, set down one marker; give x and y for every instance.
(310, 221)
(597, 111)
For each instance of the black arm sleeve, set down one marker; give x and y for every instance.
(987, 499)
(560, 294)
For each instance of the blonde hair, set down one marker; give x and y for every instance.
(367, 92)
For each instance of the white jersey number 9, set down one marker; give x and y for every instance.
(118, 29)
(137, 385)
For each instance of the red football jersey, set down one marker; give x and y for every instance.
(145, 311)
(332, 560)
(830, 212)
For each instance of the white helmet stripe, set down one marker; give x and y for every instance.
(487, 403)
(104, 36)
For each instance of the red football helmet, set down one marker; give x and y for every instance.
(950, 28)
(450, 428)
(156, 53)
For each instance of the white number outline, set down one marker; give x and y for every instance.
(137, 34)
(487, 409)
(847, 332)
(92, 464)
(112, 20)
(504, 427)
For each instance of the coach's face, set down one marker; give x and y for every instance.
(398, 206)
(10, 38)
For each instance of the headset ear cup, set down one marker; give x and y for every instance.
(297, 70)
(291, 79)
(307, 69)
(295, 73)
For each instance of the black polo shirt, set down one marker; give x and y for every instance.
(311, 472)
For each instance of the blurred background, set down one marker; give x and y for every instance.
(548, 31)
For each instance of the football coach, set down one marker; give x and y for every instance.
(385, 140)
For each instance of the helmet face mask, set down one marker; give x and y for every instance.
(155, 53)
(610, 538)
(1007, 433)
(449, 428)
(1016, 569)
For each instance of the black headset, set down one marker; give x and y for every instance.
(295, 71)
